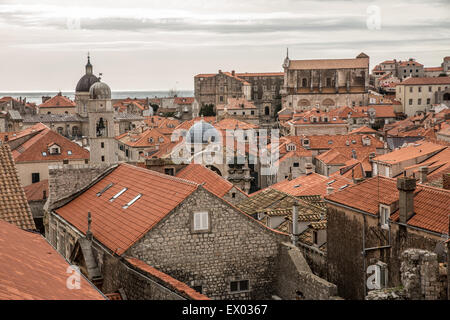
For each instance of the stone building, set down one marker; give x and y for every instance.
(59, 104)
(103, 146)
(370, 224)
(420, 94)
(188, 232)
(263, 89)
(37, 147)
(326, 84)
(240, 109)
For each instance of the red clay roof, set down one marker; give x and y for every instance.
(148, 138)
(31, 269)
(118, 228)
(14, 207)
(362, 130)
(35, 191)
(431, 205)
(416, 150)
(178, 286)
(233, 124)
(311, 184)
(33, 149)
(184, 100)
(58, 101)
(426, 80)
(212, 181)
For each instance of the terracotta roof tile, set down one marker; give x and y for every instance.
(426, 81)
(32, 150)
(329, 64)
(417, 150)
(58, 101)
(178, 286)
(118, 228)
(31, 269)
(36, 191)
(212, 181)
(14, 207)
(431, 205)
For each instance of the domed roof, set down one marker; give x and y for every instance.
(202, 132)
(100, 90)
(85, 83)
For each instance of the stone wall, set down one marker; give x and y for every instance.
(234, 248)
(421, 279)
(120, 275)
(295, 281)
(65, 180)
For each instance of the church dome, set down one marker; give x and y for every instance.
(100, 90)
(202, 132)
(85, 83)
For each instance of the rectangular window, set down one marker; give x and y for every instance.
(102, 145)
(296, 164)
(35, 177)
(169, 171)
(199, 289)
(410, 101)
(430, 89)
(419, 101)
(410, 89)
(420, 89)
(65, 161)
(103, 158)
(428, 101)
(239, 286)
(315, 238)
(201, 221)
(118, 194)
(384, 217)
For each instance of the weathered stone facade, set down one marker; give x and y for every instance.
(295, 279)
(235, 248)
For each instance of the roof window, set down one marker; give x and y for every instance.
(330, 182)
(104, 189)
(118, 194)
(343, 187)
(132, 201)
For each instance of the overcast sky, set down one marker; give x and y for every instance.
(159, 45)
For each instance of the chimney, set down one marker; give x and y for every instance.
(233, 73)
(446, 181)
(330, 190)
(406, 187)
(44, 194)
(308, 168)
(423, 172)
(220, 71)
(295, 232)
(89, 232)
(290, 176)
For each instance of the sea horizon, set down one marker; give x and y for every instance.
(36, 96)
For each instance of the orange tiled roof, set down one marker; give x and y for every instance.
(212, 181)
(329, 64)
(417, 150)
(148, 138)
(363, 130)
(236, 103)
(173, 283)
(233, 124)
(326, 142)
(58, 101)
(311, 184)
(14, 207)
(409, 63)
(35, 191)
(188, 124)
(261, 74)
(426, 81)
(433, 69)
(33, 149)
(381, 111)
(118, 228)
(31, 269)
(184, 100)
(430, 204)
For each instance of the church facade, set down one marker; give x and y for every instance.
(325, 83)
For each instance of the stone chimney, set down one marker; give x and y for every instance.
(423, 172)
(89, 232)
(233, 73)
(406, 187)
(290, 176)
(330, 190)
(308, 168)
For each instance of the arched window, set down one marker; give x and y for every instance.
(304, 82)
(101, 129)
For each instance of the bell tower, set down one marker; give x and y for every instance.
(82, 89)
(103, 146)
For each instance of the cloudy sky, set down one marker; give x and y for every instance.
(162, 44)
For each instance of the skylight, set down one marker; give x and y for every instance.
(44, 154)
(104, 189)
(343, 187)
(330, 182)
(118, 194)
(69, 152)
(132, 201)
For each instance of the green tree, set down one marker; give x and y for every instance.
(207, 110)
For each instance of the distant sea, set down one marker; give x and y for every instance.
(36, 97)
